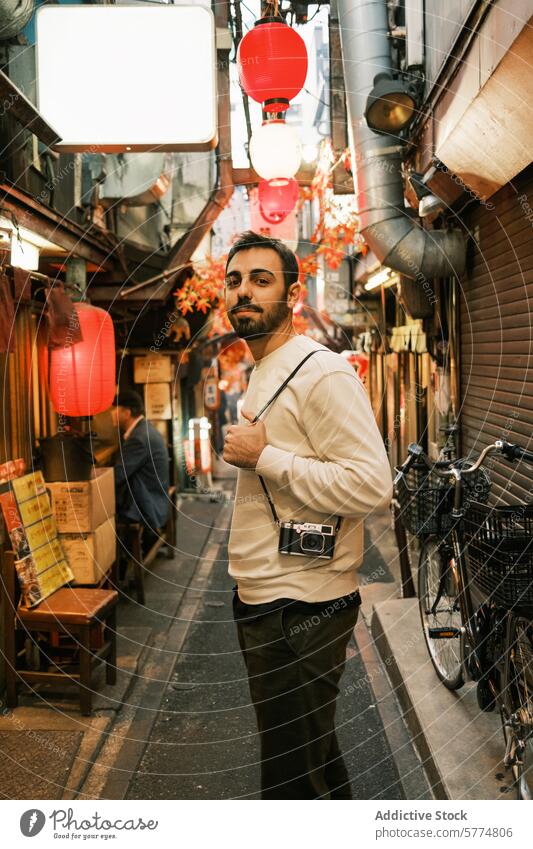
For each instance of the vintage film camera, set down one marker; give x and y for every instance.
(307, 539)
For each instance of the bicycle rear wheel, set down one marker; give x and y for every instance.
(437, 583)
(517, 704)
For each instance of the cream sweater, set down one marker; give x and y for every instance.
(324, 458)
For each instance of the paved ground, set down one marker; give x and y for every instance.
(49, 747)
(179, 723)
(204, 744)
(36, 766)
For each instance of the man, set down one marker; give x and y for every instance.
(320, 455)
(142, 471)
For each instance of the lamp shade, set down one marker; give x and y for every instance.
(275, 150)
(272, 63)
(82, 376)
(277, 198)
(390, 106)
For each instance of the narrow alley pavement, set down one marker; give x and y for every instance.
(179, 723)
(204, 742)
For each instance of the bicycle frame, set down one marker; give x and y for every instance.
(454, 559)
(495, 636)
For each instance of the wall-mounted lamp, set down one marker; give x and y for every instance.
(24, 245)
(384, 277)
(24, 254)
(391, 105)
(429, 204)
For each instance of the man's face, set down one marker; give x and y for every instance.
(121, 418)
(256, 298)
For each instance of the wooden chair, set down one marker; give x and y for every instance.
(70, 610)
(131, 539)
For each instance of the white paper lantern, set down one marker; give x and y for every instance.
(275, 150)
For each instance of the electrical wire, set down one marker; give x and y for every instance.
(307, 91)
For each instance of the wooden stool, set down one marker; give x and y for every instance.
(70, 610)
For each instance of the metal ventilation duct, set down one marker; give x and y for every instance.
(396, 238)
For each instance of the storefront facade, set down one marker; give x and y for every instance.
(495, 331)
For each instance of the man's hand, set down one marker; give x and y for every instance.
(244, 443)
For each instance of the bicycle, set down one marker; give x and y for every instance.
(475, 589)
(407, 586)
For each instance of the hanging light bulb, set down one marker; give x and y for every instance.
(275, 150)
(272, 63)
(277, 198)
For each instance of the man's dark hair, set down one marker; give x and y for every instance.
(289, 263)
(131, 400)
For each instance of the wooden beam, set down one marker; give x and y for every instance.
(249, 177)
(67, 234)
(342, 180)
(25, 112)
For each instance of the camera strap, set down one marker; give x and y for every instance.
(278, 391)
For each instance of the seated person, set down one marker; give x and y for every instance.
(142, 470)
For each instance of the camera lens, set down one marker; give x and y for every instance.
(312, 542)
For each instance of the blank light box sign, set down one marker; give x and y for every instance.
(117, 78)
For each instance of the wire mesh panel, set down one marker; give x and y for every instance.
(426, 499)
(499, 547)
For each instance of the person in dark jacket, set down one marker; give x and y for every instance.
(142, 470)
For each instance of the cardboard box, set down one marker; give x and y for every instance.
(157, 401)
(91, 555)
(82, 506)
(152, 369)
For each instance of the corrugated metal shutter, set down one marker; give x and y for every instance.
(497, 333)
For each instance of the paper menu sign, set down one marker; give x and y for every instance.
(28, 486)
(40, 562)
(41, 532)
(157, 401)
(14, 525)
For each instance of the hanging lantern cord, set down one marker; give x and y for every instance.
(271, 9)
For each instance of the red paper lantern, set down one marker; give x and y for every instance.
(272, 63)
(82, 376)
(277, 198)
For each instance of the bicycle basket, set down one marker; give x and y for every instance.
(499, 549)
(426, 499)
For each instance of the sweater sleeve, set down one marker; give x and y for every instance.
(350, 475)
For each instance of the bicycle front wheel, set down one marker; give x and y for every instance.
(438, 599)
(517, 704)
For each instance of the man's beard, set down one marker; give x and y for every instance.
(250, 327)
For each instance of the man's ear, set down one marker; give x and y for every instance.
(293, 294)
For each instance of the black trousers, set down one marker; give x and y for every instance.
(295, 658)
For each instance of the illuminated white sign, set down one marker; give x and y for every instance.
(116, 78)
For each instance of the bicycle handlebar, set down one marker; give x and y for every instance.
(515, 452)
(450, 468)
(415, 452)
